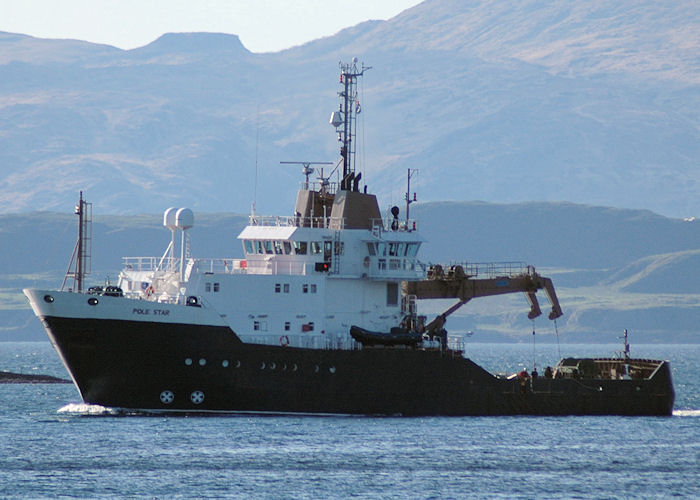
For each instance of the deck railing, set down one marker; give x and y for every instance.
(480, 269)
(296, 221)
(148, 264)
(388, 224)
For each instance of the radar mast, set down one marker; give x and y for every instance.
(345, 123)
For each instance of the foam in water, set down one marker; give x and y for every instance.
(87, 409)
(686, 413)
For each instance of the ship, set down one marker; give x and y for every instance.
(320, 317)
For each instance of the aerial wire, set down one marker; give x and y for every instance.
(257, 143)
(363, 146)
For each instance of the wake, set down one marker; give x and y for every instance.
(686, 413)
(86, 409)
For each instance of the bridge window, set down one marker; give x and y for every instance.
(315, 247)
(300, 247)
(278, 287)
(287, 247)
(372, 248)
(248, 246)
(268, 246)
(259, 247)
(278, 247)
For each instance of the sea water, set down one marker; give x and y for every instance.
(53, 446)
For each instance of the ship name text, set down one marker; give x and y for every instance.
(154, 312)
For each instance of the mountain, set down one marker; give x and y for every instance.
(612, 268)
(595, 103)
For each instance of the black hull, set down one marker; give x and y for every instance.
(178, 367)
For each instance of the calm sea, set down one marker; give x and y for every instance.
(51, 446)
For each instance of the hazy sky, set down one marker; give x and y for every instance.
(263, 25)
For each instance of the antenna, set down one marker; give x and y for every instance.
(344, 120)
(307, 170)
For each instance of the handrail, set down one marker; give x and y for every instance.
(296, 221)
(226, 265)
(389, 224)
(483, 269)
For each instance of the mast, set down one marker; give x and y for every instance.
(345, 123)
(409, 200)
(81, 253)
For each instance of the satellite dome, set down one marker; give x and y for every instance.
(169, 218)
(184, 218)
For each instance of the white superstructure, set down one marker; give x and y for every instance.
(302, 281)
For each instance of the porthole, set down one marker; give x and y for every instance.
(224, 363)
(238, 363)
(638, 388)
(48, 299)
(273, 365)
(167, 397)
(188, 361)
(197, 397)
(316, 368)
(202, 361)
(331, 369)
(262, 365)
(294, 367)
(93, 301)
(284, 367)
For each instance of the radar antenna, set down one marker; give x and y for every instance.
(307, 169)
(344, 120)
